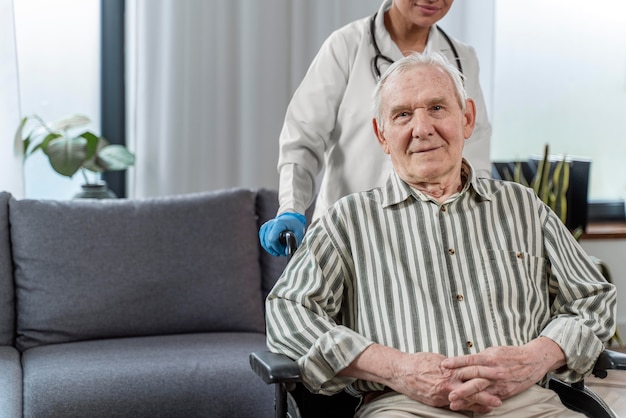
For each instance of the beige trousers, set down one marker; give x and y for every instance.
(535, 402)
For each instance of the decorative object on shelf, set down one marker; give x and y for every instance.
(70, 148)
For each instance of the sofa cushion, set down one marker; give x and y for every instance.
(10, 382)
(87, 269)
(193, 375)
(7, 299)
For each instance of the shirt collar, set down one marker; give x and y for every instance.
(397, 190)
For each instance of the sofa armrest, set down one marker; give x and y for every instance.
(274, 368)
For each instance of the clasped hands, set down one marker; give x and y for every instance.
(476, 382)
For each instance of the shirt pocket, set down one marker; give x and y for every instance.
(516, 286)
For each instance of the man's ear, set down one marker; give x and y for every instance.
(380, 136)
(469, 117)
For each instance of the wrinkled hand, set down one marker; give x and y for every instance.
(270, 231)
(421, 377)
(501, 371)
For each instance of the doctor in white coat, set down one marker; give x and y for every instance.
(328, 122)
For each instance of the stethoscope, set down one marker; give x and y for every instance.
(379, 56)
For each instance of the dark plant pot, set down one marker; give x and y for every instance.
(95, 191)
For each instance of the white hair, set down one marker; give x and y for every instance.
(433, 59)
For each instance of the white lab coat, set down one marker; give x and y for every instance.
(328, 124)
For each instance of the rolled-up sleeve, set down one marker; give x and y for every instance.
(584, 302)
(302, 311)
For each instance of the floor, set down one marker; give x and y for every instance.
(612, 389)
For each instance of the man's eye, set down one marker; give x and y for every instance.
(437, 107)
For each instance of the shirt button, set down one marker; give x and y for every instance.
(520, 255)
(451, 251)
(470, 344)
(443, 208)
(459, 297)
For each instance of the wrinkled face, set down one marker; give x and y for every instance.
(423, 127)
(424, 13)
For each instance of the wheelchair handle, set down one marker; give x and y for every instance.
(288, 238)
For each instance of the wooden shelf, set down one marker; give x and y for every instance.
(605, 230)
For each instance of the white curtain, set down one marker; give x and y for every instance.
(208, 84)
(11, 165)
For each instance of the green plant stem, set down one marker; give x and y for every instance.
(82, 171)
(42, 123)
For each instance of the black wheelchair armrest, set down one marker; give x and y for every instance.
(291, 397)
(274, 368)
(609, 360)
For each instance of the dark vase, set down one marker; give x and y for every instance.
(98, 190)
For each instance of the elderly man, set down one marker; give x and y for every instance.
(439, 294)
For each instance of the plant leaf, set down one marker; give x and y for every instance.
(578, 232)
(25, 145)
(70, 122)
(519, 175)
(19, 135)
(542, 177)
(66, 154)
(92, 163)
(555, 188)
(560, 186)
(506, 174)
(46, 141)
(93, 143)
(115, 157)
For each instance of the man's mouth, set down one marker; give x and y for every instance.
(424, 150)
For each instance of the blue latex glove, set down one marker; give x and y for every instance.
(270, 231)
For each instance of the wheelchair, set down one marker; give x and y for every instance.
(293, 400)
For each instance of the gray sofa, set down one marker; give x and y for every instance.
(134, 308)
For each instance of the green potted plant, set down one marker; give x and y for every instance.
(549, 184)
(71, 148)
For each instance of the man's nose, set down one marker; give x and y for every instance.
(422, 125)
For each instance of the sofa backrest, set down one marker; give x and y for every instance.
(88, 269)
(7, 299)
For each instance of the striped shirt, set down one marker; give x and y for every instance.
(491, 266)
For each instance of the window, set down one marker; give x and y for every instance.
(560, 78)
(58, 46)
